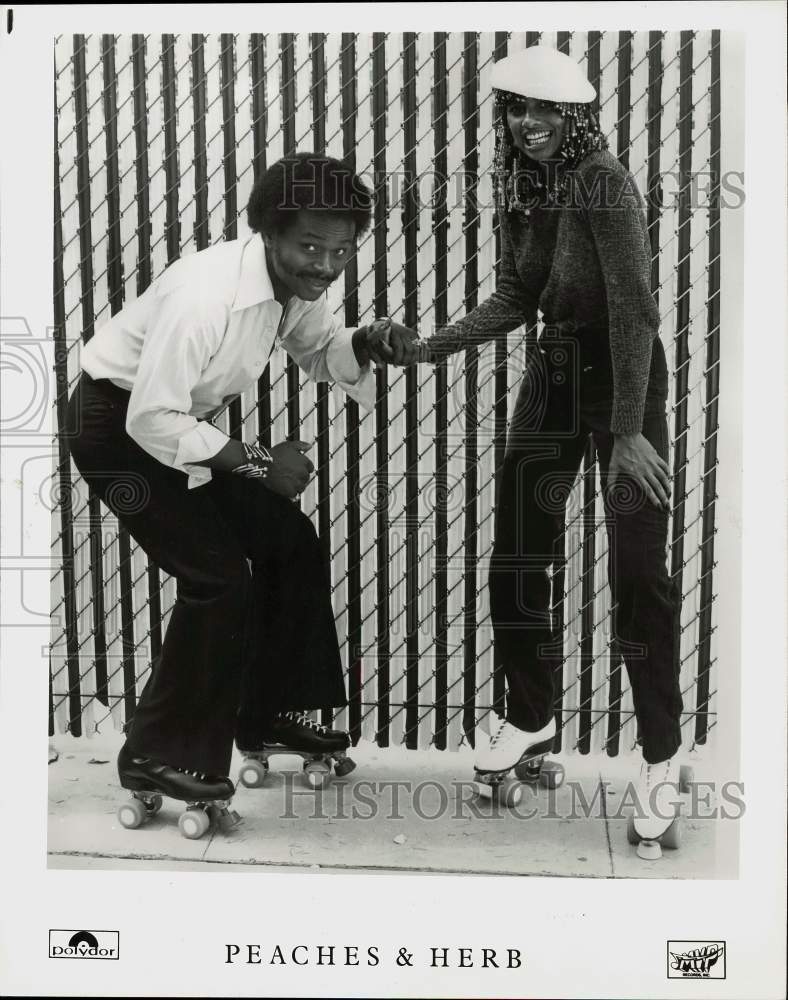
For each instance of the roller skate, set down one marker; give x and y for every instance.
(295, 734)
(657, 823)
(513, 750)
(207, 797)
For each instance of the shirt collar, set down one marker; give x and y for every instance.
(254, 284)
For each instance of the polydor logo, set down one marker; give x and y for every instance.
(84, 944)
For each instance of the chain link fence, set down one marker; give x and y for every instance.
(158, 142)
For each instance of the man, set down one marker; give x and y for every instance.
(246, 651)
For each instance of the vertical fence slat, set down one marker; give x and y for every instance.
(259, 140)
(87, 302)
(290, 144)
(201, 232)
(169, 98)
(379, 110)
(470, 118)
(348, 106)
(144, 277)
(230, 174)
(654, 180)
(501, 406)
(440, 226)
(712, 391)
(681, 374)
(64, 462)
(411, 525)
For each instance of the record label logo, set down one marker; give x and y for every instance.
(696, 960)
(84, 944)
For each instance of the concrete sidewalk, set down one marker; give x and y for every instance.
(400, 810)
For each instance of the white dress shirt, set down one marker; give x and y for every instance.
(201, 334)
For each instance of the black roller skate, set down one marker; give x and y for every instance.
(294, 733)
(207, 797)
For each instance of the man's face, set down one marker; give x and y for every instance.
(311, 253)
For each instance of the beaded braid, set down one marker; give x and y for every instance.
(582, 135)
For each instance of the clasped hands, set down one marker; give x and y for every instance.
(388, 343)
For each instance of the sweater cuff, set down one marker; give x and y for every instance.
(627, 417)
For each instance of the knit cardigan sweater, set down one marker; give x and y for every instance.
(584, 263)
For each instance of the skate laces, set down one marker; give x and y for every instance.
(657, 774)
(503, 734)
(301, 718)
(657, 778)
(193, 774)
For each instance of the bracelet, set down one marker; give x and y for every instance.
(258, 461)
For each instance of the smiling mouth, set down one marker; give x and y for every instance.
(317, 282)
(539, 138)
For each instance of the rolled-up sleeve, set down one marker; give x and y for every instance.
(182, 336)
(323, 348)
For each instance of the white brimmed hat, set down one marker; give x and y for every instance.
(544, 74)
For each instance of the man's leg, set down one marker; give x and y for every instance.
(293, 660)
(186, 714)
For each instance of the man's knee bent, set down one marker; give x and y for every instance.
(299, 535)
(223, 575)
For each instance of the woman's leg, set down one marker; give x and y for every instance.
(186, 714)
(544, 450)
(646, 604)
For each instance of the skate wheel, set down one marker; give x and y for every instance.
(483, 790)
(252, 773)
(316, 773)
(671, 838)
(551, 775)
(509, 793)
(153, 805)
(632, 834)
(686, 778)
(649, 850)
(132, 814)
(227, 819)
(193, 823)
(528, 771)
(344, 766)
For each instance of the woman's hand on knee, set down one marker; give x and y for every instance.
(636, 458)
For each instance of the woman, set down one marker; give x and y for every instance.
(575, 246)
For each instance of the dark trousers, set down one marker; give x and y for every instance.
(567, 394)
(246, 639)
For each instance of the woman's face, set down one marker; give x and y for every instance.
(537, 128)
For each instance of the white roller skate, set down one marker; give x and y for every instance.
(514, 750)
(657, 822)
